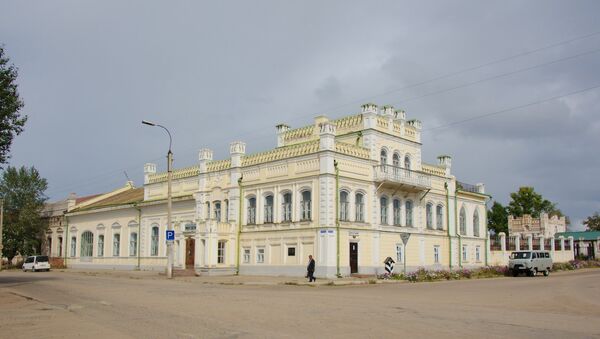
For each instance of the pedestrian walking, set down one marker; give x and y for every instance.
(310, 269)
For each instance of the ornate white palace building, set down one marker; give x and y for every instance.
(342, 190)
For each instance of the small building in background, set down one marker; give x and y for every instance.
(545, 226)
(586, 244)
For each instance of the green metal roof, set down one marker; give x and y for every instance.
(589, 235)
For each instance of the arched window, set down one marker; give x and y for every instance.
(87, 244)
(286, 207)
(133, 241)
(344, 206)
(359, 207)
(407, 162)
(409, 213)
(476, 224)
(462, 220)
(101, 245)
(383, 157)
(396, 160)
(73, 246)
(251, 210)
(439, 217)
(383, 208)
(269, 209)
(154, 241)
(396, 204)
(217, 210)
(116, 245)
(305, 205)
(429, 216)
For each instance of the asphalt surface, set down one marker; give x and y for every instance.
(137, 305)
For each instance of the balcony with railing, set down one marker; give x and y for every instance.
(469, 187)
(407, 179)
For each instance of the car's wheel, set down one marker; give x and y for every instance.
(33, 269)
(546, 272)
(515, 273)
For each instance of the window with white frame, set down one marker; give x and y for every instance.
(221, 252)
(396, 160)
(73, 246)
(429, 216)
(246, 255)
(305, 206)
(409, 213)
(407, 162)
(154, 241)
(116, 245)
(251, 210)
(359, 206)
(399, 253)
(87, 244)
(344, 206)
(476, 223)
(477, 253)
(101, 245)
(217, 210)
(286, 207)
(436, 254)
(397, 219)
(269, 209)
(383, 208)
(383, 157)
(260, 255)
(439, 217)
(133, 244)
(464, 253)
(462, 221)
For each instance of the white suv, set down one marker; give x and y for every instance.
(36, 263)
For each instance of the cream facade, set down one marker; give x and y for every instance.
(544, 226)
(342, 190)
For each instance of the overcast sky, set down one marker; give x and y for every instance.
(221, 71)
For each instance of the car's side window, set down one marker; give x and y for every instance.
(547, 255)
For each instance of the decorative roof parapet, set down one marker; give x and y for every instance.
(282, 153)
(218, 165)
(352, 150)
(177, 174)
(433, 169)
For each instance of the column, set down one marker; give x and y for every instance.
(552, 244)
(517, 242)
(502, 241)
(572, 248)
(562, 242)
(542, 246)
(530, 242)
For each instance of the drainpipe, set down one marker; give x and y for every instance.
(138, 235)
(487, 234)
(239, 230)
(66, 239)
(448, 226)
(337, 217)
(456, 228)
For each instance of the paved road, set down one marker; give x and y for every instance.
(71, 305)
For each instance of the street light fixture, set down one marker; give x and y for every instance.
(169, 202)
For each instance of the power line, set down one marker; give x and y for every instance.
(477, 117)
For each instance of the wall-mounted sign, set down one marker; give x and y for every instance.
(190, 227)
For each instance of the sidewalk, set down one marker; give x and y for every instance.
(235, 279)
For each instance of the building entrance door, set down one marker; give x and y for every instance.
(190, 250)
(353, 257)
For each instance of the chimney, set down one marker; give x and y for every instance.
(149, 168)
(445, 161)
(71, 201)
(205, 155)
(369, 112)
(327, 136)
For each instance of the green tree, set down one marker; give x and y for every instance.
(23, 193)
(498, 218)
(528, 201)
(592, 222)
(11, 120)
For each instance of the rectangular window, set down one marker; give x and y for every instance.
(287, 207)
(133, 244)
(60, 251)
(246, 255)
(100, 245)
(218, 211)
(477, 254)
(399, 253)
(397, 212)
(464, 253)
(291, 251)
(436, 254)
(73, 246)
(116, 245)
(221, 252)
(260, 255)
(154, 242)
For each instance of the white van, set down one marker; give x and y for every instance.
(530, 262)
(36, 263)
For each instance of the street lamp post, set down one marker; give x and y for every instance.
(169, 202)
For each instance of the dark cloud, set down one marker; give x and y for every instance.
(221, 71)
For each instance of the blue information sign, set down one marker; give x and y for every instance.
(170, 235)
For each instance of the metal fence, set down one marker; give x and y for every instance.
(511, 244)
(535, 243)
(567, 245)
(557, 245)
(495, 243)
